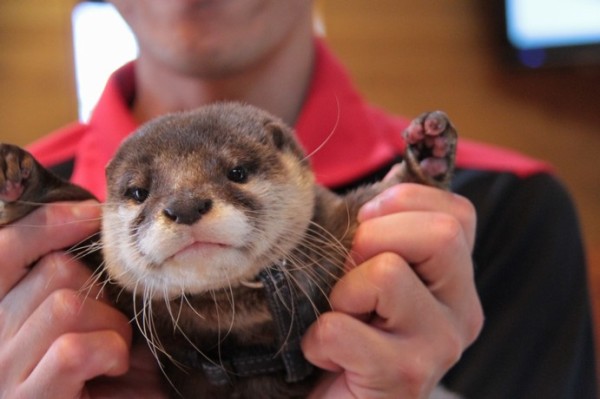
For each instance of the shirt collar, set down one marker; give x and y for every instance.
(110, 123)
(345, 137)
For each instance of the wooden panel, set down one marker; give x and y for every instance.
(37, 91)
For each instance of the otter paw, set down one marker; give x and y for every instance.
(16, 166)
(431, 146)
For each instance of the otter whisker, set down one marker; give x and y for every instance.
(192, 308)
(174, 318)
(331, 133)
(305, 288)
(89, 284)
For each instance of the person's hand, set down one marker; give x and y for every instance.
(54, 335)
(404, 315)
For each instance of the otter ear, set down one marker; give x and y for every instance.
(283, 138)
(276, 133)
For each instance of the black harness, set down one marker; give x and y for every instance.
(292, 314)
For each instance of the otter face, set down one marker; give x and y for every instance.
(204, 200)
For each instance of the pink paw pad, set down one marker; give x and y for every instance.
(15, 169)
(11, 191)
(431, 140)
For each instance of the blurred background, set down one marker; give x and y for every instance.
(407, 57)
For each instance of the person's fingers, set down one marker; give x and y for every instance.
(436, 248)
(62, 312)
(142, 381)
(390, 366)
(417, 197)
(384, 292)
(52, 272)
(74, 359)
(398, 305)
(342, 354)
(408, 308)
(49, 228)
(386, 332)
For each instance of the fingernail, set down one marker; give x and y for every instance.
(86, 210)
(369, 209)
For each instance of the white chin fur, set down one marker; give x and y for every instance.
(195, 272)
(170, 259)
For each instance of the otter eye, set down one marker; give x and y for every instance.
(239, 174)
(137, 194)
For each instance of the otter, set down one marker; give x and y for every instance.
(217, 241)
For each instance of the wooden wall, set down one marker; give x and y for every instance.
(37, 88)
(407, 56)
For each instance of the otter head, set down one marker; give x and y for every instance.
(204, 200)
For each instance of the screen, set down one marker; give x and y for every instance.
(554, 31)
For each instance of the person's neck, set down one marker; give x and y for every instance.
(278, 85)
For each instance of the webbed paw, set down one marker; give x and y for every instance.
(431, 147)
(16, 166)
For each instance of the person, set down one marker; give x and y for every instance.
(413, 304)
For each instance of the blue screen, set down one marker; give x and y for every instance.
(534, 24)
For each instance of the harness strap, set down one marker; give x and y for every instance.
(251, 363)
(286, 309)
(292, 314)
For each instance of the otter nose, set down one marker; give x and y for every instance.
(187, 211)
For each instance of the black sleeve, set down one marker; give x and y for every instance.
(537, 340)
(64, 169)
